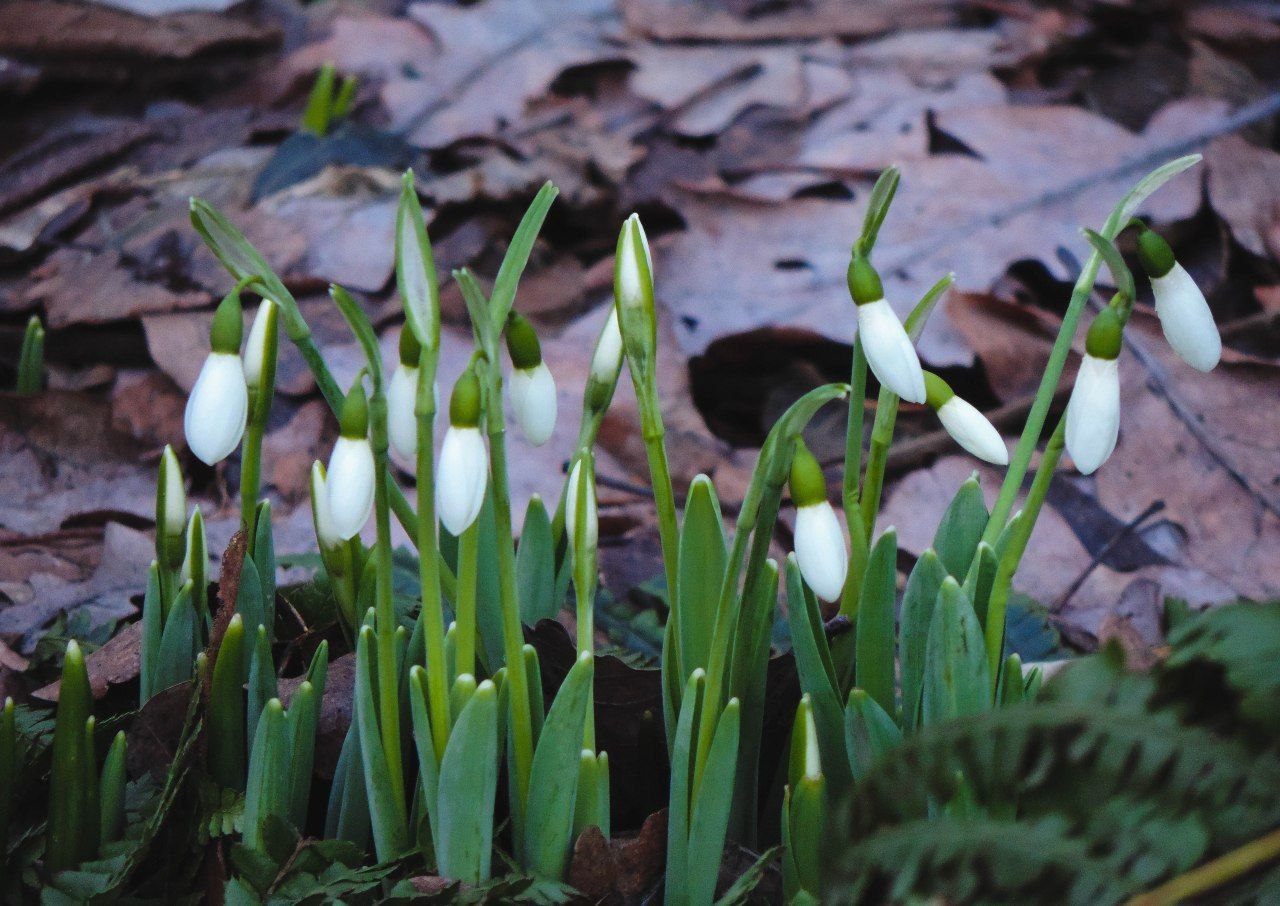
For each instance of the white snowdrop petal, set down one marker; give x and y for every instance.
(1186, 319)
(326, 533)
(461, 478)
(351, 485)
(217, 409)
(820, 550)
(533, 397)
(892, 358)
(629, 280)
(175, 495)
(255, 350)
(572, 495)
(402, 423)
(972, 431)
(608, 353)
(1093, 414)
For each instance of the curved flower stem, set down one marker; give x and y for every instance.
(1017, 546)
(663, 496)
(852, 471)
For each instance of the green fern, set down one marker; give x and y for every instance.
(1108, 785)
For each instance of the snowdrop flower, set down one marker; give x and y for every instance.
(171, 510)
(892, 358)
(581, 489)
(1184, 314)
(261, 343)
(402, 396)
(218, 407)
(607, 358)
(633, 293)
(1093, 413)
(819, 542)
(350, 476)
(531, 387)
(321, 515)
(463, 470)
(964, 423)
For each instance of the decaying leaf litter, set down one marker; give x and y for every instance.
(731, 133)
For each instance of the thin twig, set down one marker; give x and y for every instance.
(1096, 560)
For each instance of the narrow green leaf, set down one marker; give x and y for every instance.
(817, 676)
(918, 602)
(304, 716)
(361, 328)
(807, 826)
(468, 785)
(250, 606)
(536, 565)
(957, 681)
(877, 208)
(961, 527)
(315, 116)
(868, 732)
(1011, 688)
(387, 815)
(227, 721)
(554, 777)
(517, 256)
(874, 661)
(262, 680)
(428, 770)
(464, 687)
(90, 789)
(1128, 206)
(8, 765)
(177, 643)
(710, 821)
(347, 816)
(700, 572)
(679, 806)
(264, 561)
(268, 772)
(416, 268)
(66, 789)
(982, 574)
(111, 791)
(152, 630)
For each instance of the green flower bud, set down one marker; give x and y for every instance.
(228, 325)
(936, 391)
(353, 421)
(864, 282)
(1154, 253)
(522, 343)
(1104, 336)
(410, 348)
(807, 484)
(464, 404)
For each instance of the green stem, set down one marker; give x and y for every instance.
(465, 609)
(388, 675)
(428, 571)
(1215, 874)
(1022, 454)
(663, 495)
(512, 629)
(250, 476)
(1017, 545)
(877, 459)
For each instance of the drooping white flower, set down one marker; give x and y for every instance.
(1093, 414)
(350, 477)
(531, 388)
(1186, 319)
(964, 422)
(463, 470)
(461, 477)
(262, 337)
(819, 541)
(581, 489)
(217, 409)
(402, 421)
(889, 350)
(820, 550)
(533, 399)
(1184, 314)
